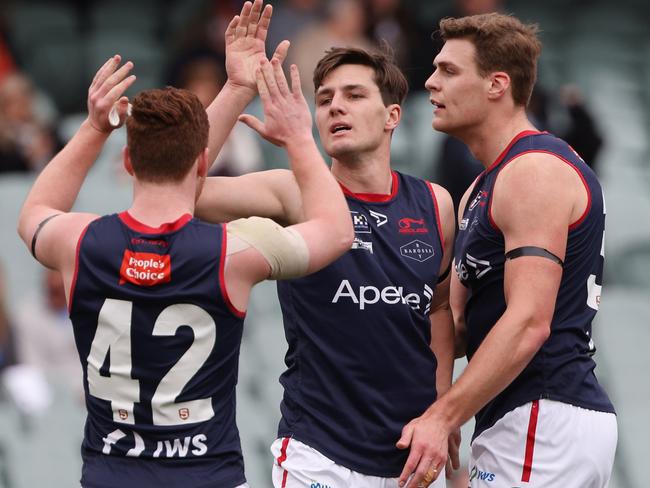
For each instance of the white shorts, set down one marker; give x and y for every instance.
(296, 465)
(547, 444)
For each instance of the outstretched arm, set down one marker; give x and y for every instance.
(327, 230)
(245, 40)
(58, 185)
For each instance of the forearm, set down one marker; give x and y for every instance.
(222, 115)
(58, 185)
(442, 344)
(321, 194)
(505, 352)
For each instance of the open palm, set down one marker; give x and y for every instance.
(245, 43)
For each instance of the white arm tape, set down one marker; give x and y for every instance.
(284, 248)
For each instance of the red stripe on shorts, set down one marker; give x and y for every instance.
(283, 458)
(530, 442)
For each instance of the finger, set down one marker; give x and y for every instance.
(454, 456)
(254, 18)
(103, 72)
(407, 431)
(280, 79)
(114, 79)
(262, 88)
(244, 19)
(265, 21)
(231, 29)
(448, 469)
(254, 123)
(409, 467)
(296, 89)
(281, 51)
(117, 91)
(269, 79)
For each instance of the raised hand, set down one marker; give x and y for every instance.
(106, 93)
(245, 44)
(287, 117)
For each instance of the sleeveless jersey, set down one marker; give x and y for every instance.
(159, 345)
(359, 363)
(563, 369)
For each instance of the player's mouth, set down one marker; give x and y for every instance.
(339, 128)
(436, 104)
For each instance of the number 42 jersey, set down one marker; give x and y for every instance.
(159, 344)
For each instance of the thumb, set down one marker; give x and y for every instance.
(253, 122)
(407, 434)
(281, 51)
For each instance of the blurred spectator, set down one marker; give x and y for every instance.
(289, 17)
(203, 73)
(392, 22)
(44, 336)
(26, 143)
(7, 348)
(344, 25)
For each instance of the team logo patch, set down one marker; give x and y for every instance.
(145, 268)
(408, 225)
(380, 218)
(417, 250)
(184, 413)
(360, 222)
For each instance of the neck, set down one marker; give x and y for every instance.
(155, 204)
(365, 173)
(487, 141)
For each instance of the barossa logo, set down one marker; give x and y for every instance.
(145, 268)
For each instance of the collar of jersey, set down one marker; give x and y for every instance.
(521, 135)
(374, 197)
(165, 228)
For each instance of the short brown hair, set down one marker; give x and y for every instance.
(503, 43)
(166, 132)
(388, 77)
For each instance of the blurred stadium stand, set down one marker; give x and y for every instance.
(601, 46)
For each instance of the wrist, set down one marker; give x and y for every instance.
(239, 90)
(87, 127)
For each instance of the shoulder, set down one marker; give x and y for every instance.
(537, 175)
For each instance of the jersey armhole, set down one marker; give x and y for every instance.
(222, 275)
(437, 212)
(573, 225)
(73, 284)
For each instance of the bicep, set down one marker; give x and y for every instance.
(55, 244)
(273, 194)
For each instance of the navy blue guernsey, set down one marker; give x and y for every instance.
(563, 369)
(359, 363)
(159, 345)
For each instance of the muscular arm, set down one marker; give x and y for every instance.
(274, 194)
(458, 294)
(58, 185)
(327, 229)
(549, 198)
(442, 327)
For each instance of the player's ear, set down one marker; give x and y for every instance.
(126, 158)
(202, 167)
(499, 84)
(393, 116)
